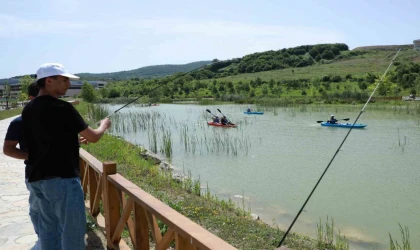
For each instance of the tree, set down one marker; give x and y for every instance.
(88, 92)
(125, 92)
(252, 93)
(6, 93)
(271, 83)
(328, 55)
(103, 92)
(385, 87)
(335, 50)
(370, 78)
(258, 81)
(113, 93)
(314, 52)
(336, 79)
(265, 89)
(363, 86)
(24, 83)
(221, 88)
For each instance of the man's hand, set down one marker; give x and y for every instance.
(83, 140)
(106, 123)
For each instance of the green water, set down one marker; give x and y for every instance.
(275, 159)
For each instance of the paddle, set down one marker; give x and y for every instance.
(226, 117)
(210, 112)
(345, 119)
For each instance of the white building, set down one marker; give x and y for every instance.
(75, 87)
(416, 44)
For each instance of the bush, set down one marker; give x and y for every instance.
(328, 55)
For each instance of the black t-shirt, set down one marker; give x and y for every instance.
(50, 131)
(15, 133)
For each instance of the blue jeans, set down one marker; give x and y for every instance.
(62, 222)
(33, 208)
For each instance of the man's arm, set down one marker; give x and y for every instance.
(10, 149)
(93, 135)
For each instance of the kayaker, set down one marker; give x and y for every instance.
(332, 120)
(216, 119)
(224, 120)
(248, 110)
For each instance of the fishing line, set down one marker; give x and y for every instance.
(336, 152)
(159, 85)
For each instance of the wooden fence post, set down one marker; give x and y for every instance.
(110, 202)
(93, 185)
(82, 167)
(141, 228)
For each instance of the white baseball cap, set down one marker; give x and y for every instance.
(53, 69)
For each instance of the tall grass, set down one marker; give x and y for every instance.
(160, 129)
(405, 240)
(327, 239)
(96, 112)
(166, 142)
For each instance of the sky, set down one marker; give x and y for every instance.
(107, 36)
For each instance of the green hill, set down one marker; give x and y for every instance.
(144, 72)
(312, 73)
(385, 47)
(371, 61)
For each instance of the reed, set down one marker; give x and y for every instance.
(166, 142)
(405, 239)
(326, 239)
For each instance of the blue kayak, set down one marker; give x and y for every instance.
(254, 113)
(343, 125)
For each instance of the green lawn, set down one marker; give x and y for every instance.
(4, 114)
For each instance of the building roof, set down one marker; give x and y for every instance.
(15, 81)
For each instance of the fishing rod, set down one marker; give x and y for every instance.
(159, 85)
(336, 152)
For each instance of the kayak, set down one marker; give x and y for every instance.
(343, 125)
(221, 125)
(254, 112)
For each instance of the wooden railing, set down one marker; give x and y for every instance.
(139, 212)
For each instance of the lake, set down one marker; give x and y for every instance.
(274, 160)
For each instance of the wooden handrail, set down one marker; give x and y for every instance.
(182, 225)
(139, 213)
(91, 160)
